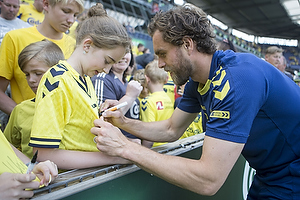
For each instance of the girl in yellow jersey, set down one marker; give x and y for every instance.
(66, 103)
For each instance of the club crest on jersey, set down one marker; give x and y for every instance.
(159, 105)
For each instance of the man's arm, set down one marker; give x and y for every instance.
(159, 131)
(204, 176)
(6, 103)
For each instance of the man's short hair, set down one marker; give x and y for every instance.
(274, 49)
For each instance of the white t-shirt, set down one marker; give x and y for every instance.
(8, 25)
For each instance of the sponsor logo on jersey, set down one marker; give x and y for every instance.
(159, 105)
(32, 21)
(220, 114)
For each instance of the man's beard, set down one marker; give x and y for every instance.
(182, 71)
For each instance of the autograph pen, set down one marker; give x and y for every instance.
(121, 105)
(32, 163)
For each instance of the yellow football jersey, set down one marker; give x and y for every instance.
(29, 14)
(66, 107)
(156, 107)
(19, 126)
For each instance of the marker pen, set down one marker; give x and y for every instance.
(32, 163)
(121, 105)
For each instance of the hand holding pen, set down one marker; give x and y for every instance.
(45, 171)
(121, 105)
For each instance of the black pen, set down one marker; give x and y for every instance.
(32, 163)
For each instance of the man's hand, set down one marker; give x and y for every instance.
(107, 104)
(110, 139)
(116, 118)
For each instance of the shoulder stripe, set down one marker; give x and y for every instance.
(99, 90)
(50, 86)
(44, 139)
(83, 81)
(62, 67)
(56, 73)
(43, 146)
(168, 83)
(44, 142)
(102, 74)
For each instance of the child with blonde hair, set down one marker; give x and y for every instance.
(34, 60)
(158, 105)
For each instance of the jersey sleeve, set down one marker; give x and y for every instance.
(104, 88)
(235, 102)
(7, 57)
(12, 132)
(189, 103)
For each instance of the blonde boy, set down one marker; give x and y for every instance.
(157, 106)
(34, 61)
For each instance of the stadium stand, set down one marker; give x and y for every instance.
(139, 13)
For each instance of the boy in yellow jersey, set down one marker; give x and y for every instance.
(32, 13)
(59, 16)
(66, 102)
(13, 178)
(34, 61)
(157, 106)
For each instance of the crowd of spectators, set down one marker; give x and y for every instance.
(114, 85)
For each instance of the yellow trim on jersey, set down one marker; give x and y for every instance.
(218, 82)
(202, 90)
(224, 92)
